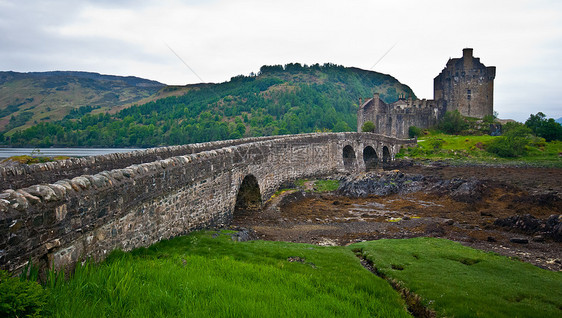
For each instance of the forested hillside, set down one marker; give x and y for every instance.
(279, 99)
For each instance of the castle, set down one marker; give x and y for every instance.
(465, 84)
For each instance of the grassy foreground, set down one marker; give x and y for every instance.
(209, 274)
(458, 281)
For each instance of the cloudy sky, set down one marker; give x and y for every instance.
(220, 39)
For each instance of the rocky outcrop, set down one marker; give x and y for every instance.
(392, 182)
(381, 183)
(528, 224)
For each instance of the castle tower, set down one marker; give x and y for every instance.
(466, 85)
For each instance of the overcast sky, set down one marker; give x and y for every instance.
(221, 39)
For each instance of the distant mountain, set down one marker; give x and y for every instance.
(279, 99)
(559, 120)
(28, 98)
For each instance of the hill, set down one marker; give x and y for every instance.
(278, 100)
(559, 120)
(36, 97)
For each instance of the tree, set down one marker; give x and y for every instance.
(452, 123)
(341, 126)
(368, 126)
(546, 128)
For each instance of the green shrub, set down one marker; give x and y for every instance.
(513, 143)
(435, 143)
(368, 126)
(489, 119)
(452, 123)
(414, 131)
(511, 126)
(20, 297)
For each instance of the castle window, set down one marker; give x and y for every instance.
(468, 94)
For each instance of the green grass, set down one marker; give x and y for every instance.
(27, 159)
(459, 281)
(208, 274)
(472, 148)
(211, 274)
(326, 185)
(320, 185)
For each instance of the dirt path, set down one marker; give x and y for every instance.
(327, 219)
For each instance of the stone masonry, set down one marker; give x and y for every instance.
(87, 216)
(465, 84)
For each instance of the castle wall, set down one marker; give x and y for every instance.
(395, 119)
(88, 216)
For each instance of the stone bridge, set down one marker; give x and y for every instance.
(58, 213)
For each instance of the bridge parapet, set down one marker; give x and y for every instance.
(90, 215)
(49, 172)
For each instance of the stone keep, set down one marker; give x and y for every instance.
(466, 85)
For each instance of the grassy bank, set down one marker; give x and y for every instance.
(473, 148)
(458, 281)
(211, 274)
(207, 274)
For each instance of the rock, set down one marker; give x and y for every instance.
(519, 240)
(434, 229)
(51, 245)
(468, 191)
(538, 238)
(31, 198)
(379, 183)
(491, 239)
(552, 227)
(42, 191)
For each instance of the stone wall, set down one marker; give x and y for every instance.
(88, 216)
(26, 175)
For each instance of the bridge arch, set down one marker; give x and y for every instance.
(386, 157)
(348, 157)
(248, 198)
(370, 158)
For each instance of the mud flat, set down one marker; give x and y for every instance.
(513, 211)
